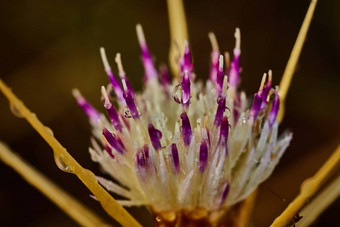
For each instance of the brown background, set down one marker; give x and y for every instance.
(49, 47)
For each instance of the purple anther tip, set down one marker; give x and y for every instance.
(274, 110)
(186, 129)
(234, 71)
(186, 88)
(219, 80)
(187, 61)
(174, 157)
(115, 85)
(113, 141)
(255, 109)
(89, 110)
(149, 67)
(155, 137)
(265, 93)
(220, 110)
(224, 133)
(225, 192)
(113, 115)
(142, 156)
(214, 65)
(203, 156)
(131, 103)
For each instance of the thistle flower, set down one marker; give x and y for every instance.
(185, 147)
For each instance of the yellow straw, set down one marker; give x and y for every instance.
(110, 205)
(294, 57)
(79, 212)
(308, 188)
(178, 33)
(311, 212)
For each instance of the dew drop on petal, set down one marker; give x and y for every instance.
(127, 113)
(15, 110)
(177, 93)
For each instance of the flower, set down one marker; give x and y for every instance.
(185, 145)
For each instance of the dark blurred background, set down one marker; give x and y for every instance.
(49, 47)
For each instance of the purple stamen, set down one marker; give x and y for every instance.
(186, 89)
(149, 67)
(130, 101)
(187, 61)
(113, 115)
(203, 158)
(225, 191)
(220, 110)
(155, 136)
(220, 77)
(224, 133)
(265, 93)
(142, 157)
(108, 150)
(112, 141)
(114, 82)
(255, 109)
(274, 110)
(235, 67)
(174, 158)
(186, 129)
(89, 110)
(214, 65)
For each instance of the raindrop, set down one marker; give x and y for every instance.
(244, 120)
(227, 112)
(49, 130)
(61, 164)
(15, 110)
(127, 113)
(177, 93)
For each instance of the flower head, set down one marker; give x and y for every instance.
(185, 145)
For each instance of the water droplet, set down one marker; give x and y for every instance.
(61, 164)
(227, 112)
(49, 130)
(15, 110)
(244, 120)
(177, 93)
(158, 219)
(127, 113)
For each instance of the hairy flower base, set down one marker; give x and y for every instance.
(185, 145)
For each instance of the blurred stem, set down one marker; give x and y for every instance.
(308, 188)
(311, 212)
(110, 205)
(178, 33)
(77, 211)
(293, 59)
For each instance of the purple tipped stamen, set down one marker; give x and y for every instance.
(187, 61)
(112, 141)
(155, 137)
(215, 55)
(113, 115)
(174, 158)
(186, 129)
(220, 110)
(130, 101)
(114, 82)
(149, 67)
(274, 110)
(186, 89)
(225, 191)
(89, 110)
(203, 157)
(224, 133)
(142, 157)
(235, 67)
(220, 77)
